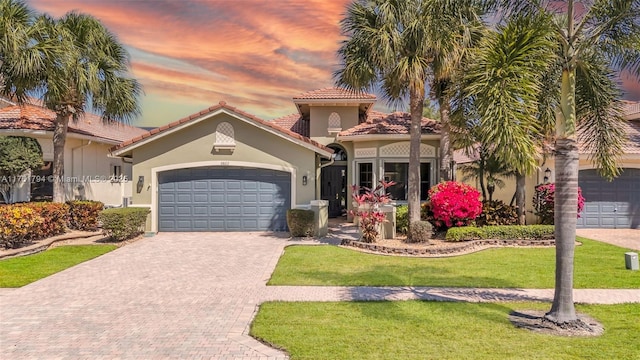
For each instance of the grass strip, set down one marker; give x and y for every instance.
(20, 271)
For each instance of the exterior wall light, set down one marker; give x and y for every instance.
(304, 180)
(140, 184)
(547, 175)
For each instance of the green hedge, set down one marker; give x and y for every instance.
(123, 223)
(83, 215)
(300, 222)
(502, 232)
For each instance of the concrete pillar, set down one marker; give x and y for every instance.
(320, 210)
(389, 226)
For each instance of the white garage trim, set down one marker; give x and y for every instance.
(622, 166)
(156, 170)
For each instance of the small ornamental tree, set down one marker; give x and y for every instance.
(18, 154)
(544, 202)
(368, 210)
(454, 204)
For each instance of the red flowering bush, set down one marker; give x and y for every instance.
(368, 210)
(544, 202)
(454, 204)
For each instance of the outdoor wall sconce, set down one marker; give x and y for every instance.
(304, 180)
(547, 175)
(140, 184)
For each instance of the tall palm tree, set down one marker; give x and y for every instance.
(386, 45)
(91, 69)
(399, 46)
(591, 46)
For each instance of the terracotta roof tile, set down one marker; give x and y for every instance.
(335, 94)
(34, 117)
(397, 123)
(223, 105)
(632, 145)
(294, 122)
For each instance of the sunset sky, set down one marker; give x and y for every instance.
(253, 54)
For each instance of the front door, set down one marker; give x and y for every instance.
(334, 188)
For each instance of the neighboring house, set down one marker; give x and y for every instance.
(614, 204)
(91, 172)
(223, 169)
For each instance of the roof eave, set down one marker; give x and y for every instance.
(372, 137)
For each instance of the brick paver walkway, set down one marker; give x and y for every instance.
(182, 296)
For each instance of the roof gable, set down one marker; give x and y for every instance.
(222, 107)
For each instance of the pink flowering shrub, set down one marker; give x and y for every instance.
(454, 204)
(544, 202)
(368, 210)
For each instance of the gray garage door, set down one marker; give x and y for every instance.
(610, 204)
(223, 199)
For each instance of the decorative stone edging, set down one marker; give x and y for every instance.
(450, 250)
(42, 245)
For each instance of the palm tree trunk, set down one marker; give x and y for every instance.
(446, 154)
(521, 199)
(566, 203)
(59, 139)
(413, 192)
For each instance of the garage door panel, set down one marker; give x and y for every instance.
(614, 204)
(223, 199)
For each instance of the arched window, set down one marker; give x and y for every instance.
(224, 137)
(335, 124)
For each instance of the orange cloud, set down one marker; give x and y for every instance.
(253, 54)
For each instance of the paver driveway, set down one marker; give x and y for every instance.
(174, 295)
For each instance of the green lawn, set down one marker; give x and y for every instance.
(597, 265)
(434, 330)
(20, 271)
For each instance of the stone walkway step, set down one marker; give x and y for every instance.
(369, 293)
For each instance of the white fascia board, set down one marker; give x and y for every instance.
(44, 133)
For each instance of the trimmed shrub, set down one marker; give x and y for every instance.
(497, 212)
(420, 231)
(454, 204)
(544, 202)
(402, 219)
(54, 216)
(123, 223)
(16, 223)
(83, 215)
(300, 222)
(501, 232)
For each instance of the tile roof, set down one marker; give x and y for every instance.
(34, 117)
(396, 123)
(334, 94)
(221, 105)
(631, 110)
(294, 122)
(631, 146)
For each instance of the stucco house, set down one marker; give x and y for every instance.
(614, 204)
(223, 169)
(91, 172)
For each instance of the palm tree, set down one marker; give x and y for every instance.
(590, 46)
(386, 45)
(20, 58)
(400, 45)
(90, 70)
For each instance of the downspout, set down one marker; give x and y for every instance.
(73, 156)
